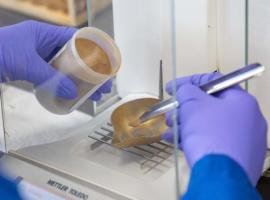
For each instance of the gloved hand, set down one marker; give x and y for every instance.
(25, 49)
(228, 123)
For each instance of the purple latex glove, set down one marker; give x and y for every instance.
(229, 123)
(25, 49)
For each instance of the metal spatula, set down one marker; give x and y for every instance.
(211, 87)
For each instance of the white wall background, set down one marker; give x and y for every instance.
(195, 44)
(143, 33)
(231, 34)
(137, 25)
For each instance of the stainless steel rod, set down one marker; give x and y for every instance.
(211, 87)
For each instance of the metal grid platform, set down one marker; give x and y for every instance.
(152, 155)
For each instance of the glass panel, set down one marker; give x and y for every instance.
(258, 51)
(92, 145)
(21, 107)
(46, 125)
(100, 15)
(26, 122)
(213, 40)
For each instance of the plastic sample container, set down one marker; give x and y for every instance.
(69, 61)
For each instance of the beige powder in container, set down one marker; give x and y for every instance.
(93, 55)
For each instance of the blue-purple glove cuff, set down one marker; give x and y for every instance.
(219, 177)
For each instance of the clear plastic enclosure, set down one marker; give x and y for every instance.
(158, 41)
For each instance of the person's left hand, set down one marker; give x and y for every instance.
(25, 49)
(104, 89)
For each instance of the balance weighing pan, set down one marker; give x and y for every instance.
(146, 133)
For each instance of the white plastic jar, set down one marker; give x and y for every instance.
(69, 62)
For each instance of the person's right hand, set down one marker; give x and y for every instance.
(229, 123)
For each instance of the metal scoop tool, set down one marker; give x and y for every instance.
(211, 87)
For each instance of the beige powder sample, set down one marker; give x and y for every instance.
(94, 56)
